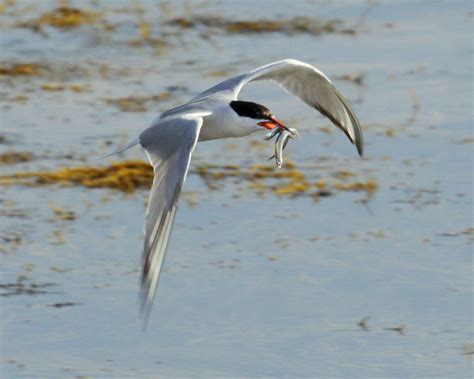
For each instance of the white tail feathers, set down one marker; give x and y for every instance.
(122, 149)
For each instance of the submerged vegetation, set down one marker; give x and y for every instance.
(125, 176)
(22, 69)
(295, 25)
(12, 157)
(63, 17)
(138, 103)
(262, 179)
(288, 181)
(22, 287)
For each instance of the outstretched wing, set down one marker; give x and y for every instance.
(308, 84)
(168, 144)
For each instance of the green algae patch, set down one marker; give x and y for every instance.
(125, 176)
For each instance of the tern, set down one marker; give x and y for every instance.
(219, 113)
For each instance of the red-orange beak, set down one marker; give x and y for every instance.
(272, 123)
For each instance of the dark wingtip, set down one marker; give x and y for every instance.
(358, 140)
(144, 309)
(360, 148)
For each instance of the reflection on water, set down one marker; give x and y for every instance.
(333, 266)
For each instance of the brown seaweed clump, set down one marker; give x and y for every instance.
(296, 25)
(21, 69)
(12, 157)
(64, 18)
(358, 78)
(128, 176)
(368, 186)
(56, 87)
(125, 176)
(288, 181)
(138, 103)
(146, 39)
(62, 214)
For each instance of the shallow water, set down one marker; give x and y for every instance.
(253, 285)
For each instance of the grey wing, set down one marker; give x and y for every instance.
(168, 144)
(314, 88)
(308, 84)
(229, 87)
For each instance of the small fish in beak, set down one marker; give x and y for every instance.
(272, 134)
(284, 135)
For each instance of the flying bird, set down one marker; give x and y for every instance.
(219, 113)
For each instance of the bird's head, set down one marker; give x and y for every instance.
(256, 114)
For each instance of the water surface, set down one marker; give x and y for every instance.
(253, 285)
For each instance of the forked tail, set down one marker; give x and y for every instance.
(122, 149)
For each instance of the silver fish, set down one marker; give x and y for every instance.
(293, 132)
(273, 133)
(281, 142)
(279, 146)
(278, 149)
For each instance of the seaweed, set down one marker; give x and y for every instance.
(62, 17)
(128, 176)
(22, 69)
(12, 157)
(22, 288)
(288, 181)
(295, 25)
(138, 103)
(358, 78)
(146, 39)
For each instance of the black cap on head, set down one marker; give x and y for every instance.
(251, 110)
